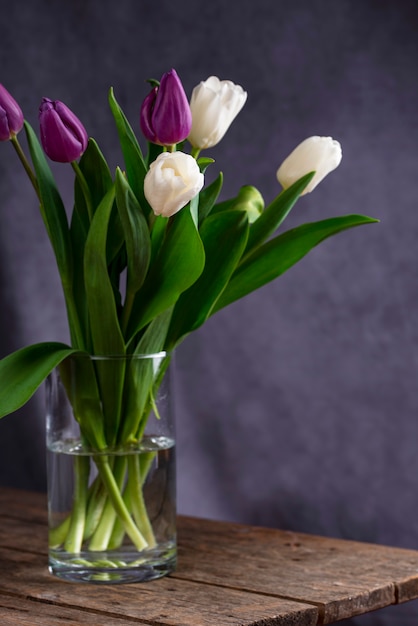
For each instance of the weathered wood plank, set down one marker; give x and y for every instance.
(166, 601)
(18, 611)
(27, 505)
(344, 578)
(24, 535)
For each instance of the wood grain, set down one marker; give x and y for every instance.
(18, 611)
(228, 575)
(26, 505)
(343, 578)
(166, 601)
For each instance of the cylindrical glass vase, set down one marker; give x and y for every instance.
(111, 469)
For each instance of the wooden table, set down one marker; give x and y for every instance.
(228, 575)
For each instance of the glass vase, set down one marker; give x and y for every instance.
(111, 469)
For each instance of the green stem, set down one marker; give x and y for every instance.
(145, 465)
(77, 338)
(139, 510)
(127, 309)
(118, 531)
(16, 145)
(96, 503)
(57, 535)
(115, 496)
(74, 539)
(195, 152)
(100, 539)
(84, 187)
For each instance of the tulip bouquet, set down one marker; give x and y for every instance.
(149, 251)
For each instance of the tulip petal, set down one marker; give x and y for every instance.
(4, 125)
(165, 116)
(58, 144)
(214, 104)
(171, 182)
(63, 136)
(145, 116)
(318, 154)
(72, 123)
(172, 118)
(11, 116)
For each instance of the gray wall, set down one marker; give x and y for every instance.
(297, 406)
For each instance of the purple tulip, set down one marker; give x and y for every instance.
(63, 136)
(11, 116)
(165, 116)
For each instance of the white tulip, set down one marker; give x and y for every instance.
(214, 104)
(319, 154)
(173, 179)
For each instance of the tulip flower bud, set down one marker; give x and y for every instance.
(214, 104)
(11, 116)
(250, 200)
(63, 136)
(165, 116)
(174, 178)
(319, 154)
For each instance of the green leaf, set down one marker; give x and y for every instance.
(224, 236)
(96, 173)
(79, 378)
(226, 205)
(106, 334)
(153, 339)
(136, 168)
(23, 371)
(140, 378)
(52, 207)
(154, 150)
(78, 240)
(92, 181)
(56, 223)
(208, 197)
(249, 199)
(116, 268)
(137, 237)
(107, 338)
(158, 231)
(204, 163)
(194, 210)
(98, 180)
(275, 214)
(178, 265)
(279, 254)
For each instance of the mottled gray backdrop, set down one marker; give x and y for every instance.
(297, 407)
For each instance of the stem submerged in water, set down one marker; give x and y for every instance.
(74, 538)
(122, 492)
(118, 504)
(135, 484)
(112, 506)
(103, 532)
